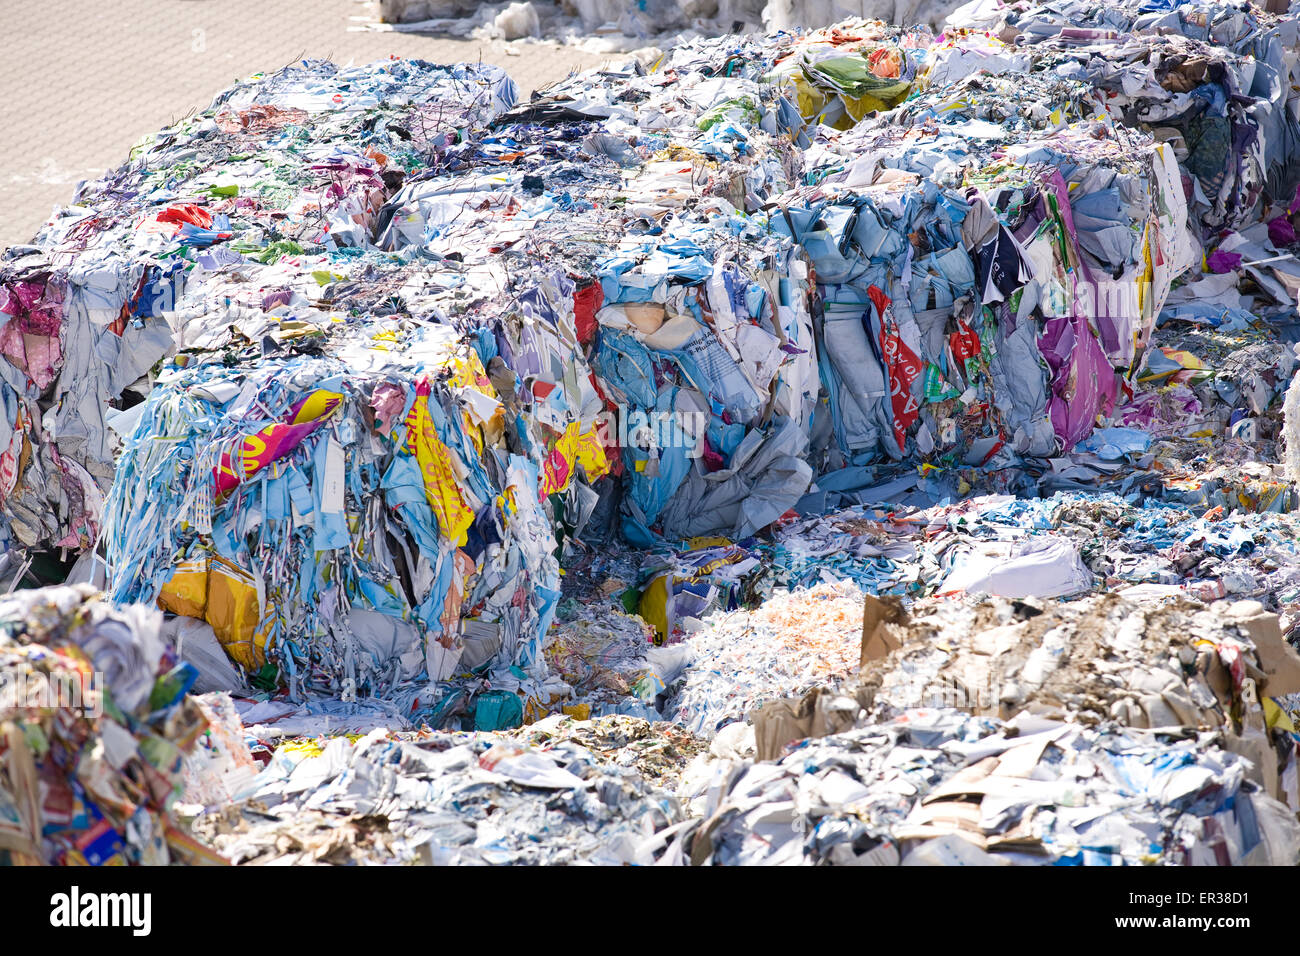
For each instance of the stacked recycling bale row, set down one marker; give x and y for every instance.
(986, 287)
(91, 306)
(1216, 81)
(416, 328)
(355, 471)
(1021, 217)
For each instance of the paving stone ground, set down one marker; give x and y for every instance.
(81, 81)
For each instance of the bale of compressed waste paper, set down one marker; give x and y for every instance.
(421, 338)
(95, 725)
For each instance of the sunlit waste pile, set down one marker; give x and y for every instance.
(640, 27)
(855, 445)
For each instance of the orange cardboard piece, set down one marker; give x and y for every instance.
(214, 590)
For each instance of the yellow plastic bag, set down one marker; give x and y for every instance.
(214, 590)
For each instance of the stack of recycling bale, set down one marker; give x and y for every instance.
(357, 466)
(423, 336)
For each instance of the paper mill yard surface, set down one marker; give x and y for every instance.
(855, 445)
